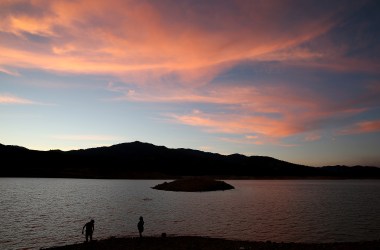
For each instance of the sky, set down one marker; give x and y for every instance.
(295, 80)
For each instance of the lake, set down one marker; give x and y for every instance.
(38, 212)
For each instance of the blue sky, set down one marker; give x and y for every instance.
(295, 80)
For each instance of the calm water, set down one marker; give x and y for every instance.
(38, 213)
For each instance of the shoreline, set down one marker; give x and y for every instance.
(207, 243)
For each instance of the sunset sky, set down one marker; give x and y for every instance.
(294, 80)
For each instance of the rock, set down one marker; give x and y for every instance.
(197, 184)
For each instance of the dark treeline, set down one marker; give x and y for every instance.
(143, 160)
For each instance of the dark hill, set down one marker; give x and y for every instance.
(144, 160)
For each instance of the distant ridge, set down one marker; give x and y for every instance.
(147, 161)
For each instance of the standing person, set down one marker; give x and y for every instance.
(140, 226)
(89, 229)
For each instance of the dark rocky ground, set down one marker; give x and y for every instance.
(199, 243)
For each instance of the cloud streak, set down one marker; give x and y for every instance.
(362, 127)
(9, 72)
(12, 99)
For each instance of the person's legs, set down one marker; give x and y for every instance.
(90, 236)
(86, 237)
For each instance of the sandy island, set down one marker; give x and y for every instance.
(199, 243)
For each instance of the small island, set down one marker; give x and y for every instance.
(197, 184)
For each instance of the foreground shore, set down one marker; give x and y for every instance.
(193, 242)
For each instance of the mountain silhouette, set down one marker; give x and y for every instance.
(144, 160)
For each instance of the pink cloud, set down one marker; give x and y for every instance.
(9, 72)
(312, 137)
(11, 99)
(362, 127)
(336, 63)
(268, 112)
(258, 140)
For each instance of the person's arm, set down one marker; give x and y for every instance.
(83, 228)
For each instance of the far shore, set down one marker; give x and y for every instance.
(205, 243)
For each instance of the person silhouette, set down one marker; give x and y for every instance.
(140, 226)
(89, 229)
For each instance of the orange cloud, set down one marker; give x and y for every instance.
(123, 37)
(238, 124)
